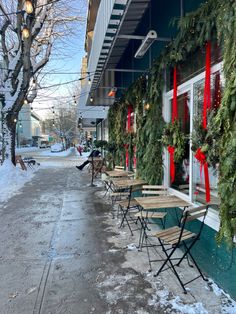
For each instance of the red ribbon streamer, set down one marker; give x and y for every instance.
(171, 150)
(217, 94)
(201, 157)
(175, 102)
(129, 117)
(207, 87)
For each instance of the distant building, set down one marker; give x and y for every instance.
(28, 128)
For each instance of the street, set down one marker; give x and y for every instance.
(54, 253)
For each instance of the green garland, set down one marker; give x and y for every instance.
(173, 136)
(213, 20)
(207, 139)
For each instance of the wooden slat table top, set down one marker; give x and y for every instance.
(169, 201)
(117, 173)
(129, 182)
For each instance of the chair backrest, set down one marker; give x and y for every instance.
(119, 168)
(152, 190)
(194, 213)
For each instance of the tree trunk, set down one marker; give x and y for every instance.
(9, 138)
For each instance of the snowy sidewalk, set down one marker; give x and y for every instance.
(61, 252)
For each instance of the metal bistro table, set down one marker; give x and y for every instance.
(151, 203)
(118, 173)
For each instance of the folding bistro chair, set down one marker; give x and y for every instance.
(126, 207)
(176, 237)
(146, 218)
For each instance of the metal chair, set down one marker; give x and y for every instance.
(127, 208)
(146, 218)
(178, 237)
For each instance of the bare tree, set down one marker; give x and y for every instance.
(26, 42)
(65, 123)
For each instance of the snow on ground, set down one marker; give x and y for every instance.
(65, 153)
(12, 179)
(202, 298)
(26, 149)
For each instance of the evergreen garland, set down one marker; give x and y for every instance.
(214, 19)
(173, 136)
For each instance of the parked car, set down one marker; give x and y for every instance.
(58, 147)
(44, 144)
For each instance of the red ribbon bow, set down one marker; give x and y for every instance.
(201, 157)
(171, 150)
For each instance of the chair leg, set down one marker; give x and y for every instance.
(187, 252)
(168, 259)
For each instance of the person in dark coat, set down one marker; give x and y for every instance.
(94, 153)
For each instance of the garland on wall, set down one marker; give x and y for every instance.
(213, 20)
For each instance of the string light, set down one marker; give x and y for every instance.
(20, 125)
(25, 102)
(15, 120)
(29, 7)
(91, 99)
(34, 83)
(25, 32)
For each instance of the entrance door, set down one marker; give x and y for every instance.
(182, 168)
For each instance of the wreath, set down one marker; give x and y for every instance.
(207, 140)
(174, 137)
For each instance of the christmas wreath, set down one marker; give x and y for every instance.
(175, 140)
(206, 140)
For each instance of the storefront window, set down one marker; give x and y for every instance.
(199, 192)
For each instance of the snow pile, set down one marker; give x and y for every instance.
(65, 153)
(12, 179)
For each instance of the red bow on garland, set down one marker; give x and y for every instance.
(171, 150)
(201, 157)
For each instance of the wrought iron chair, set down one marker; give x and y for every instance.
(178, 237)
(146, 218)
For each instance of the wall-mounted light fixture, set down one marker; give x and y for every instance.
(112, 92)
(147, 42)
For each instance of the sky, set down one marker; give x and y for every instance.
(65, 63)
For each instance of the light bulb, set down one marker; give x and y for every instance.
(29, 7)
(25, 102)
(89, 81)
(15, 120)
(25, 32)
(20, 125)
(91, 99)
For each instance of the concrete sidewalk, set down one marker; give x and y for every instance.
(61, 252)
